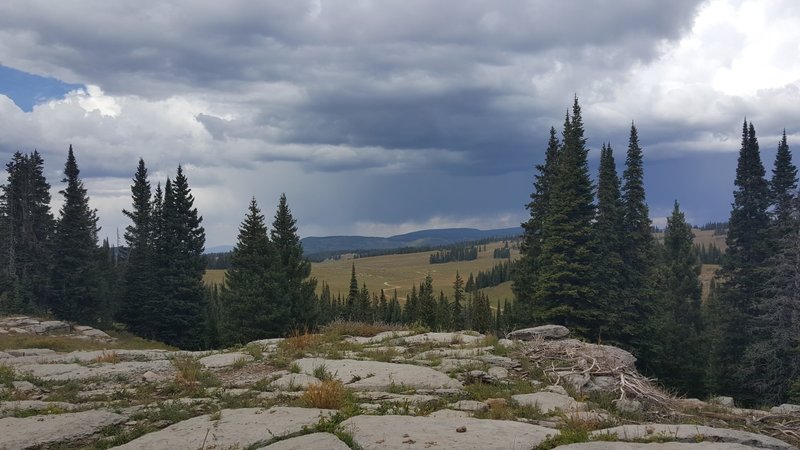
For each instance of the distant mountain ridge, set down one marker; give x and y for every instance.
(423, 238)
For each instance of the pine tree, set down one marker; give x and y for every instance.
(783, 188)
(525, 274)
(298, 286)
(458, 303)
(181, 306)
(250, 305)
(75, 270)
(427, 303)
(743, 269)
(139, 287)
(678, 357)
(26, 234)
(352, 296)
(637, 250)
(777, 354)
(564, 289)
(609, 229)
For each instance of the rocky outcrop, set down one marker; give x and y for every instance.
(29, 325)
(540, 332)
(429, 390)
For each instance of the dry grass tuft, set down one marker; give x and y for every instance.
(300, 341)
(330, 394)
(353, 328)
(107, 357)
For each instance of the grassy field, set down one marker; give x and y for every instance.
(399, 272)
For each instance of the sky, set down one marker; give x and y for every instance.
(383, 117)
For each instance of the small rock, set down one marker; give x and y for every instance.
(498, 373)
(294, 381)
(786, 408)
(601, 383)
(627, 405)
(461, 429)
(505, 343)
(722, 401)
(540, 332)
(151, 377)
(576, 380)
(556, 390)
(24, 386)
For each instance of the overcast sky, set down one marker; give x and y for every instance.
(381, 117)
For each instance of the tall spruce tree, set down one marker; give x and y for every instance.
(564, 287)
(297, 288)
(637, 250)
(783, 188)
(250, 305)
(777, 354)
(525, 273)
(75, 274)
(26, 233)
(678, 356)
(743, 272)
(609, 230)
(352, 295)
(139, 286)
(458, 303)
(181, 305)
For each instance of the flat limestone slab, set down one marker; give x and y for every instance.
(690, 433)
(379, 376)
(9, 407)
(314, 441)
(40, 431)
(409, 432)
(456, 337)
(221, 360)
(654, 446)
(128, 369)
(547, 402)
(380, 337)
(236, 428)
(294, 381)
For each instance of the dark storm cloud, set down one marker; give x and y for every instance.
(399, 75)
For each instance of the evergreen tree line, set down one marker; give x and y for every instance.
(463, 309)
(499, 273)
(710, 254)
(589, 262)
(51, 264)
(502, 252)
(455, 253)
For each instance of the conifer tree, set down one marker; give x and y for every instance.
(138, 284)
(26, 234)
(352, 296)
(458, 303)
(678, 356)
(610, 231)
(564, 287)
(777, 354)
(298, 287)
(250, 304)
(180, 257)
(527, 268)
(427, 303)
(637, 250)
(783, 188)
(75, 270)
(743, 269)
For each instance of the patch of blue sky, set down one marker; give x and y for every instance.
(27, 90)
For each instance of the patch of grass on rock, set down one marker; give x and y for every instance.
(329, 394)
